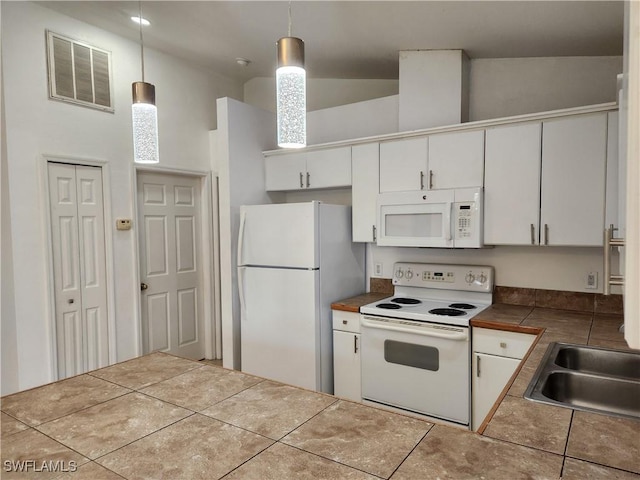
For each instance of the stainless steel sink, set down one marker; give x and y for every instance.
(588, 378)
(599, 361)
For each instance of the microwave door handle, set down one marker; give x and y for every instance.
(447, 222)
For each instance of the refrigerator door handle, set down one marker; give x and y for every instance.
(243, 307)
(243, 219)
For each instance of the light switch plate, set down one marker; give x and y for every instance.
(377, 270)
(591, 280)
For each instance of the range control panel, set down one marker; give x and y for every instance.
(473, 278)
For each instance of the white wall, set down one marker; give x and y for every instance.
(244, 132)
(36, 126)
(502, 87)
(321, 92)
(547, 268)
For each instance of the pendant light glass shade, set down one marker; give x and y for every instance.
(291, 94)
(144, 115)
(145, 123)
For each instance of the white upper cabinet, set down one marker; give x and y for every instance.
(365, 166)
(327, 168)
(439, 161)
(512, 184)
(285, 172)
(574, 156)
(403, 165)
(456, 160)
(545, 182)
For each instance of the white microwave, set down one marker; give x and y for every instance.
(434, 218)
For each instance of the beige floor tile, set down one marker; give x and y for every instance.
(90, 471)
(101, 429)
(10, 426)
(196, 448)
(362, 437)
(202, 387)
(616, 443)
(147, 370)
(449, 453)
(270, 409)
(281, 462)
(44, 457)
(531, 424)
(57, 399)
(579, 470)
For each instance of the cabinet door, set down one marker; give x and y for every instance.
(365, 168)
(574, 153)
(612, 211)
(285, 172)
(346, 365)
(456, 160)
(512, 185)
(490, 374)
(329, 168)
(403, 165)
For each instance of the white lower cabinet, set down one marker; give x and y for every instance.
(496, 355)
(346, 355)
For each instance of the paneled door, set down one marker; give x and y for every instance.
(170, 264)
(77, 227)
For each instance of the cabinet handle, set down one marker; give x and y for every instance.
(344, 322)
(421, 180)
(503, 344)
(478, 366)
(308, 182)
(301, 184)
(355, 344)
(546, 234)
(610, 241)
(430, 179)
(374, 232)
(533, 234)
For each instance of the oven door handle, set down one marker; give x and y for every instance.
(425, 330)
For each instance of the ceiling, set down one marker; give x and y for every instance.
(358, 39)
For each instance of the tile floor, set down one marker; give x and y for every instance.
(160, 417)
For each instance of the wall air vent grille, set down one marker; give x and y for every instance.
(79, 73)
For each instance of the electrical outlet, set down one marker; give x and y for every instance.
(377, 270)
(591, 281)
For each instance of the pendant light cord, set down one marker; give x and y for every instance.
(290, 18)
(141, 42)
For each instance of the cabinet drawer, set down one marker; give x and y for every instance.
(346, 321)
(502, 343)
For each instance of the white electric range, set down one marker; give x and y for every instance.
(416, 344)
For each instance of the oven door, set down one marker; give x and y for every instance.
(417, 366)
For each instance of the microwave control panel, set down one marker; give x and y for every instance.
(478, 278)
(464, 220)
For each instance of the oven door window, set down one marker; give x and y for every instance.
(412, 355)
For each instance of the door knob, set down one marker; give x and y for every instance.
(143, 286)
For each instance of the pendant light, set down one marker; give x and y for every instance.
(291, 92)
(144, 115)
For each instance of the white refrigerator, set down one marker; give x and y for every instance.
(294, 260)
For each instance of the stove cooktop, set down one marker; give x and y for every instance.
(424, 310)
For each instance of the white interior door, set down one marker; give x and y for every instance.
(171, 264)
(77, 227)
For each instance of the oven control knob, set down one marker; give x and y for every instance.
(399, 273)
(470, 278)
(408, 275)
(482, 278)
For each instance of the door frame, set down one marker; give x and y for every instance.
(45, 159)
(210, 271)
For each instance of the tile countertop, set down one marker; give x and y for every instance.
(160, 416)
(592, 445)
